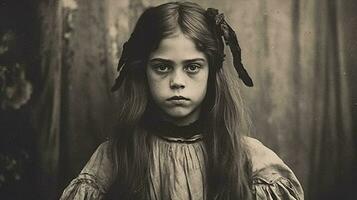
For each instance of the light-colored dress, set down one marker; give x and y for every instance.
(178, 170)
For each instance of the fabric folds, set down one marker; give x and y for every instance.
(177, 169)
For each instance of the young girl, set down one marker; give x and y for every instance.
(180, 128)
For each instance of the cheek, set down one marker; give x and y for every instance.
(203, 90)
(155, 85)
(204, 81)
(199, 88)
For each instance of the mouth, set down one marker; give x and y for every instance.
(177, 98)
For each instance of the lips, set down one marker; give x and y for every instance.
(177, 98)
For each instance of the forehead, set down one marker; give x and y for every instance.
(177, 47)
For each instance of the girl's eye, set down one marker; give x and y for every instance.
(192, 68)
(162, 68)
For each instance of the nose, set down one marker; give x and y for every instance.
(177, 80)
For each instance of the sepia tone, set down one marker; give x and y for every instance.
(301, 54)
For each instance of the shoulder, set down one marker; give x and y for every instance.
(270, 175)
(101, 164)
(260, 156)
(95, 178)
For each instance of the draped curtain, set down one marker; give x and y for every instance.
(298, 53)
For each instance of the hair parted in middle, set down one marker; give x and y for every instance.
(227, 167)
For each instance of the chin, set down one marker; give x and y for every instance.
(179, 112)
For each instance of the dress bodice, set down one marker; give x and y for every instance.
(177, 172)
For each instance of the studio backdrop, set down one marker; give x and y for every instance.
(298, 52)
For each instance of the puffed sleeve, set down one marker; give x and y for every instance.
(95, 179)
(272, 178)
(84, 187)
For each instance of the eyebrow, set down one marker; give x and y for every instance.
(171, 62)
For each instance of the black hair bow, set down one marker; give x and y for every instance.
(121, 69)
(230, 38)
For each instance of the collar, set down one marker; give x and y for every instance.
(172, 132)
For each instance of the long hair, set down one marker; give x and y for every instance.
(227, 165)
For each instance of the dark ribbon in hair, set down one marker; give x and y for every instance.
(121, 69)
(230, 38)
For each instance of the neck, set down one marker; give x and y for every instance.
(164, 128)
(181, 121)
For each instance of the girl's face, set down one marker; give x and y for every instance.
(177, 75)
